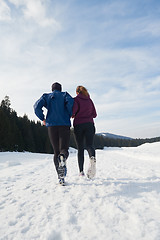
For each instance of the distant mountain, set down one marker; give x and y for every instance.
(110, 135)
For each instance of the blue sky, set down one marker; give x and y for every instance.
(110, 47)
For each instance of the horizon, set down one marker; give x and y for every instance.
(113, 135)
(110, 47)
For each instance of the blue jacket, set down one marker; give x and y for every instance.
(59, 108)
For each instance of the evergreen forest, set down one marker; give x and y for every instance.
(21, 134)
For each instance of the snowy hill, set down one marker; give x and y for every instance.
(121, 203)
(110, 135)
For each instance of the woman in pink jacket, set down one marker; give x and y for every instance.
(83, 113)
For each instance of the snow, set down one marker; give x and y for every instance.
(121, 203)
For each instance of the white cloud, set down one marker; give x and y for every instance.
(4, 12)
(36, 10)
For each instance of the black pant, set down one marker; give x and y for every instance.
(84, 131)
(59, 137)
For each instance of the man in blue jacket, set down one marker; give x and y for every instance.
(59, 111)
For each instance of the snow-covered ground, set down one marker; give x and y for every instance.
(121, 203)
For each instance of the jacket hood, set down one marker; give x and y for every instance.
(80, 95)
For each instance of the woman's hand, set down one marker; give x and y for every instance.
(44, 122)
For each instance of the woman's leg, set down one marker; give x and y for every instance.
(89, 137)
(79, 135)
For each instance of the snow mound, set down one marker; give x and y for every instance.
(147, 151)
(12, 164)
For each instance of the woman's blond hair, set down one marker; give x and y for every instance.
(82, 90)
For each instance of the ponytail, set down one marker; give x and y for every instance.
(82, 90)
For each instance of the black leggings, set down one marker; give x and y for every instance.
(84, 131)
(59, 137)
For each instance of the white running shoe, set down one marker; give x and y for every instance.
(92, 168)
(62, 169)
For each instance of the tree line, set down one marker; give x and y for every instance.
(21, 134)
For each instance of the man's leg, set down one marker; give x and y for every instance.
(64, 138)
(53, 133)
